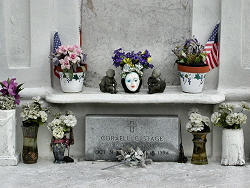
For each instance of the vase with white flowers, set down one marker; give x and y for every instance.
(9, 99)
(198, 125)
(232, 135)
(61, 129)
(70, 67)
(33, 115)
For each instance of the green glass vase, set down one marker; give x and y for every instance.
(199, 156)
(30, 151)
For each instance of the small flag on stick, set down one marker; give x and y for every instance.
(212, 49)
(57, 42)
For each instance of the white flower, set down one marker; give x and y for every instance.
(43, 116)
(36, 99)
(215, 118)
(242, 118)
(58, 132)
(197, 122)
(232, 118)
(245, 106)
(195, 118)
(226, 108)
(53, 124)
(70, 121)
(236, 118)
(62, 117)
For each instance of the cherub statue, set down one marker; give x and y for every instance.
(108, 83)
(155, 83)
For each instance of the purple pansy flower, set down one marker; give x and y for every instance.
(136, 58)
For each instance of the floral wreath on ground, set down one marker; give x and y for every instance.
(131, 61)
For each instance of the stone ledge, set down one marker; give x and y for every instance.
(236, 94)
(171, 95)
(28, 93)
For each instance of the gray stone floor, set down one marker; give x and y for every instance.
(45, 174)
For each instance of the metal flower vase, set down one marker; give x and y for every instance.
(199, 156)
(30, 151)
(58, 147)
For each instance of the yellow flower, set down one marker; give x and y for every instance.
(149, 59)
(128, 61)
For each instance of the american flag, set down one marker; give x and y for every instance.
(212, 49)
(56, 42)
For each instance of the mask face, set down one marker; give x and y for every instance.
(132, 81)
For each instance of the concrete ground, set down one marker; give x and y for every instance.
(46, 174)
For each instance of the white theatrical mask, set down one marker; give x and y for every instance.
(132, 81)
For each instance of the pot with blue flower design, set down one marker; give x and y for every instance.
(71, 85)
(70, 82)
(192, 78)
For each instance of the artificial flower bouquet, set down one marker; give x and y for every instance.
(131, 61)
(61, 125)
(10, 97)
(198, 123)
(227, 118)
(61, 129)
(69, 59)
(34, 114)
(191, 53)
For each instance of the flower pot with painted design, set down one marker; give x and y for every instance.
(192, 78)
(58, 147)
(72, 85)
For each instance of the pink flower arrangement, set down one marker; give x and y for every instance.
(70, 59)
(11, 89)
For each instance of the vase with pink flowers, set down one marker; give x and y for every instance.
(70, 67)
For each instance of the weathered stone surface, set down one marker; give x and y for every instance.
(158, 135)
(156, 25)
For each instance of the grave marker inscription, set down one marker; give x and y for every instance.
(158, 135)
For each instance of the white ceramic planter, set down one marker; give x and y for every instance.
(72, 86)
(8, 154)
(192, 82)
(233, 147)
(192, 78)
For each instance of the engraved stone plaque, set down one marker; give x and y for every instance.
(158, 135)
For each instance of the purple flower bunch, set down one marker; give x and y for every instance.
(11, 89)
(121, 58)
(190, 53)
